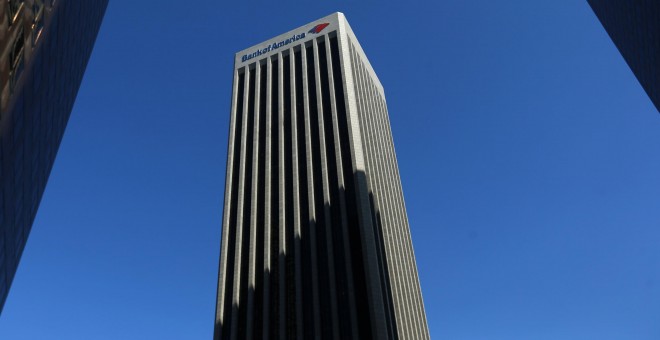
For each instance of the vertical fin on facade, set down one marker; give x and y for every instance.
(267, 205)
(310, 235)
(275, 168)
(326, 168)
(350, 323)
(226, 283)
(239, 310)
(281, 228)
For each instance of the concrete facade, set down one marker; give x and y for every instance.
(315, 237)
(634, 27)
(45, 45)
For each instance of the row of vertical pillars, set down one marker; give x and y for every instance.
(291, 260)
(404, 308)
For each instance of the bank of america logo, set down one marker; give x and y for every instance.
(318, 28)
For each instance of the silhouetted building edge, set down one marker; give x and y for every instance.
(48, 44)
(634, 27)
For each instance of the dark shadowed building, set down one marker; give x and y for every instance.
(315, 240)
(45, 45)
(634, 26)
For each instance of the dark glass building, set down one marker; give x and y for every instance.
(45, 48)
(634, 26)
(315, 240)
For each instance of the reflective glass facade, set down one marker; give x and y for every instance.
(47, 44)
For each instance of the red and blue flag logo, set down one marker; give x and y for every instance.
(318, 28)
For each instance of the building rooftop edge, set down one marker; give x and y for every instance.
(336, 19)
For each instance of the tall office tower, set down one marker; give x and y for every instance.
(45, 47)
(315, 238)
(634, 26)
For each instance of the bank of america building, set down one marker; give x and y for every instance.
(315, 239)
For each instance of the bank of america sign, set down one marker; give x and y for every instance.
(315, 30)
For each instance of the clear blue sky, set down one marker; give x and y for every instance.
(529, 155)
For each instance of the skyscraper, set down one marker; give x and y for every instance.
(634, 26)
(45, 47)
(315, 238)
